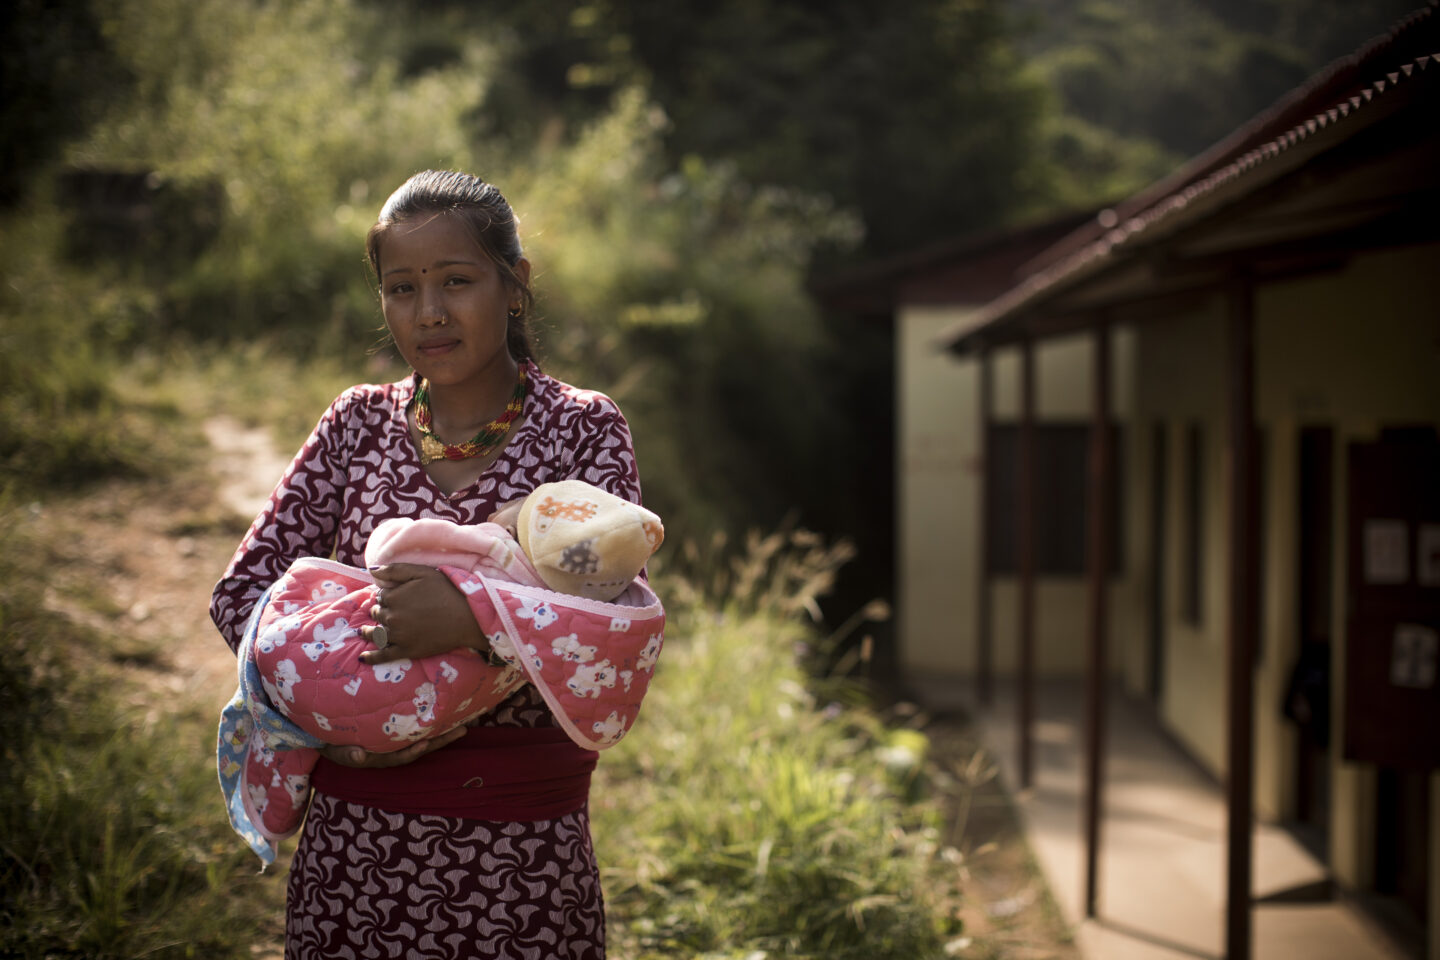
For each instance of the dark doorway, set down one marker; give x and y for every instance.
(1402, 841)
(1308, 697)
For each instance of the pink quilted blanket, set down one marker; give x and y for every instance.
(592, 661)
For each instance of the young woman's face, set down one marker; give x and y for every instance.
(445, 302)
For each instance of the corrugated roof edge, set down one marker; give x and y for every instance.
(1267, 136)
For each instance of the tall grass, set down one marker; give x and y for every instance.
(111, 843)
(744, 816)
(757, 809)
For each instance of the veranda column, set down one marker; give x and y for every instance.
(1098, 561)
(1240, 620)
(1025, 557)
(984, 642)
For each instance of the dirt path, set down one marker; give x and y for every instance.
(1006, 905)
(246, 464)
(156, 551)
(138, 560)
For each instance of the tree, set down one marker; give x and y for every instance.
(918, 114)
(1155, 81)
(55, 78)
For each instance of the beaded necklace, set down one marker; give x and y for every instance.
(432, 448)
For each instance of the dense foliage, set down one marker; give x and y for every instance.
(752, 814)
(224, 190)
(1144, 84)
(917, 114)
(679, 168)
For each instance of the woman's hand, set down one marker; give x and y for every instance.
(423, 614)
(360, 757)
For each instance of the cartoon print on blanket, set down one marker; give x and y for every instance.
(302, 684)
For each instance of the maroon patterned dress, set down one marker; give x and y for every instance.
(367, 882)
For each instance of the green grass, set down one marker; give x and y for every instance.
(757, 810)
(259, 383)
(744, 818)
(62, 421)
(113, 840)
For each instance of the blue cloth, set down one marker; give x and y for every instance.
(251, 722)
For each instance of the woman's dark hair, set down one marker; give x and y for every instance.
(484, 213)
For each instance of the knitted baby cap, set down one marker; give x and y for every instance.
(585, 541)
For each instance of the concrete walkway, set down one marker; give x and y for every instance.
(1162, 845)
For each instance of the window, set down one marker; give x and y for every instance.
(1062, 480)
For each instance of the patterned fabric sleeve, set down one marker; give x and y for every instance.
(299, 520)
(605, 456)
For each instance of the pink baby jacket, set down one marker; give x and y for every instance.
(303, 685)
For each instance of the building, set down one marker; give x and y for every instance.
(1191, 453)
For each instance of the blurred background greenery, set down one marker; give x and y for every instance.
(202, 172)
(198, 174)
(184, 191)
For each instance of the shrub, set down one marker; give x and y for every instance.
(65, 417)
(743, 814)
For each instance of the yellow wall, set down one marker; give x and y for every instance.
(938, 491)
(1357, 350)
(1180, 381)
(1354, 350)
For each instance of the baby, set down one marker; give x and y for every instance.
(561, 606)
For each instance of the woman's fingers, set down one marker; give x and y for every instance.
(385, 650)
(379, 634)
(392, 575)
(347, 756)
(422, 614)
(401, 757)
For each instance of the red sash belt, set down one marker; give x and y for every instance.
(492, 773)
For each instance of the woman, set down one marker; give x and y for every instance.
(480, 846)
